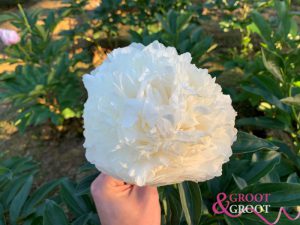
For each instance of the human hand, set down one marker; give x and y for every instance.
(120, 203)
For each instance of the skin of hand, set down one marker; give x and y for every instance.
(119, 203)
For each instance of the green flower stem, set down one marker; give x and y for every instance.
(294, 115)
(25, 18)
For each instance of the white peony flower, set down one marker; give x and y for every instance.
(153, 118)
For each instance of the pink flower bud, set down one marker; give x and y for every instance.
(9, 37)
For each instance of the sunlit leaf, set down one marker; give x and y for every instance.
(191, 200)
(294, 101)
(53, 214)
(246, 143)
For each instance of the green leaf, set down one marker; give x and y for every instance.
(273, 63)
(83, 186)
(36, 221)
(19, 165)
(240, 182)
(262, 122)
(41, 32)
(39, 195)
(259, 168)
(201, 47)
(191, 201)
(294, 28)
(267, 82)
(6, 172)
(222, 183)
(19, 200)
(2, 218)
(7, 16)
(284, 17)
(11, 190)
(282, 194)
(183, 20)
(87, 167)
(246, 143)
(135, 36)
(271, 177)
(172, 18)
(293, 178)
(288, 152)
(172, 205)
(285, 167)
(267, 96)
(53, 214)
(265, 30)
(69, 196)
(82, 220)
(294, 101)
(68, 113)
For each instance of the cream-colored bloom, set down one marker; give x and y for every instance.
(153, 118)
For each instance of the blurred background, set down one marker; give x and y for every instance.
(252, 47)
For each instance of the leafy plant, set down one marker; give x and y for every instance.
(108, 23)
(233, 19)
(46, 84)
(268, 170)
(180, 31)
(59, 201)
(275, 85)
(63, 201)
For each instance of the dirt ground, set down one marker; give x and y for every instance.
(59, 154)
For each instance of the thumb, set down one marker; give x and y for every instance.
(109, 181)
